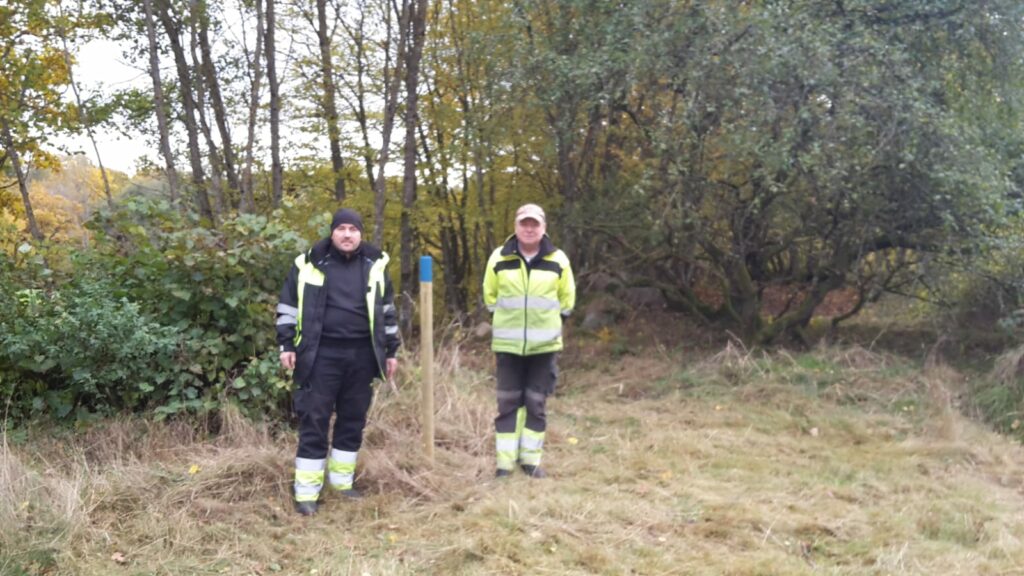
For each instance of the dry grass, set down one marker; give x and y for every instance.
(837, 461)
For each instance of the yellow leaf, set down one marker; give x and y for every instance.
(573, 440)
(194, 469)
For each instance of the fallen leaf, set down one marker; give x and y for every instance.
(194, 469)
(573, 440)
(119, 558)
(814, 432)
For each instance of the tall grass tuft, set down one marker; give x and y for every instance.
(1000, 396)
(463, 398)
(40, 513)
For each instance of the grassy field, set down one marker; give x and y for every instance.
(662, 461)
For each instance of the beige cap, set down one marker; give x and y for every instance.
(530, 211)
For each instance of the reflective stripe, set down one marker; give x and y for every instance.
(340, 481)
(308, 274)
(532, 334)
(491, 307)
(536, 395)
(533, 302)
(341, 469)
(509, 394)
(309, 465)
(287, 310)
(389, 308)
(309, 478)
(530, 458)
(531, 445)
(507, 450)
(566, 312)
(286, 320)
(389, 330)
(376, 282)
(343, 457)
(506, 442)
(529, 442)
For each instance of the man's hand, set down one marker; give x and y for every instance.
(288, 360)
(392, 367)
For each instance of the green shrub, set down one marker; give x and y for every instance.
(218, 287)
(158, 314)
(81, 349)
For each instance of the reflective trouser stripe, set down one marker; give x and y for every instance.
(341, 469)
(309, 479)
(507, 448)
(531, 445)
(507, 443)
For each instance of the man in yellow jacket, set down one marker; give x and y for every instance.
(529, 289)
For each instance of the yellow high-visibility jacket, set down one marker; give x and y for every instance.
(528, 301)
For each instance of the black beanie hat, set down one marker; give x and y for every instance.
(347, 216)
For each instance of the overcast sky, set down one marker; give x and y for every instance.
(99, 65)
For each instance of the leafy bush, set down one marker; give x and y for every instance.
(988, 288)
(80, 349)
(159, 313)
(217, 287)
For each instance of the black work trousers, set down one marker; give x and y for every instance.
(524, 381)
(339, 382)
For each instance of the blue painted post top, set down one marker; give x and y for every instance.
(426, 269)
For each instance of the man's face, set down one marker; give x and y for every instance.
(529, 232)
(346, 238)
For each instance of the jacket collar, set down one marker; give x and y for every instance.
(511, 247)
(320, 250)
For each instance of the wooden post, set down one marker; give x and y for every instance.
(427, 351)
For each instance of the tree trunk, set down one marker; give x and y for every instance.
(360, 94)
(330, 108)
(216, 100)
(188, 102)
(159, 105)
(83, 117)
(19, 173)
(276, 171)
(216, 161)
(390, 109)
(247, 205)
(412, 68)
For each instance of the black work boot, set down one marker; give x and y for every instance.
(306, 508)
(533, 471)
(502, 473)
(350, 493)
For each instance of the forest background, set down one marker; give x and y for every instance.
(795, 226)
(738, 163)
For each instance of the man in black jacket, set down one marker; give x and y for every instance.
(337, 331)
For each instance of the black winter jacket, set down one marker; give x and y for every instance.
(299, 330)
